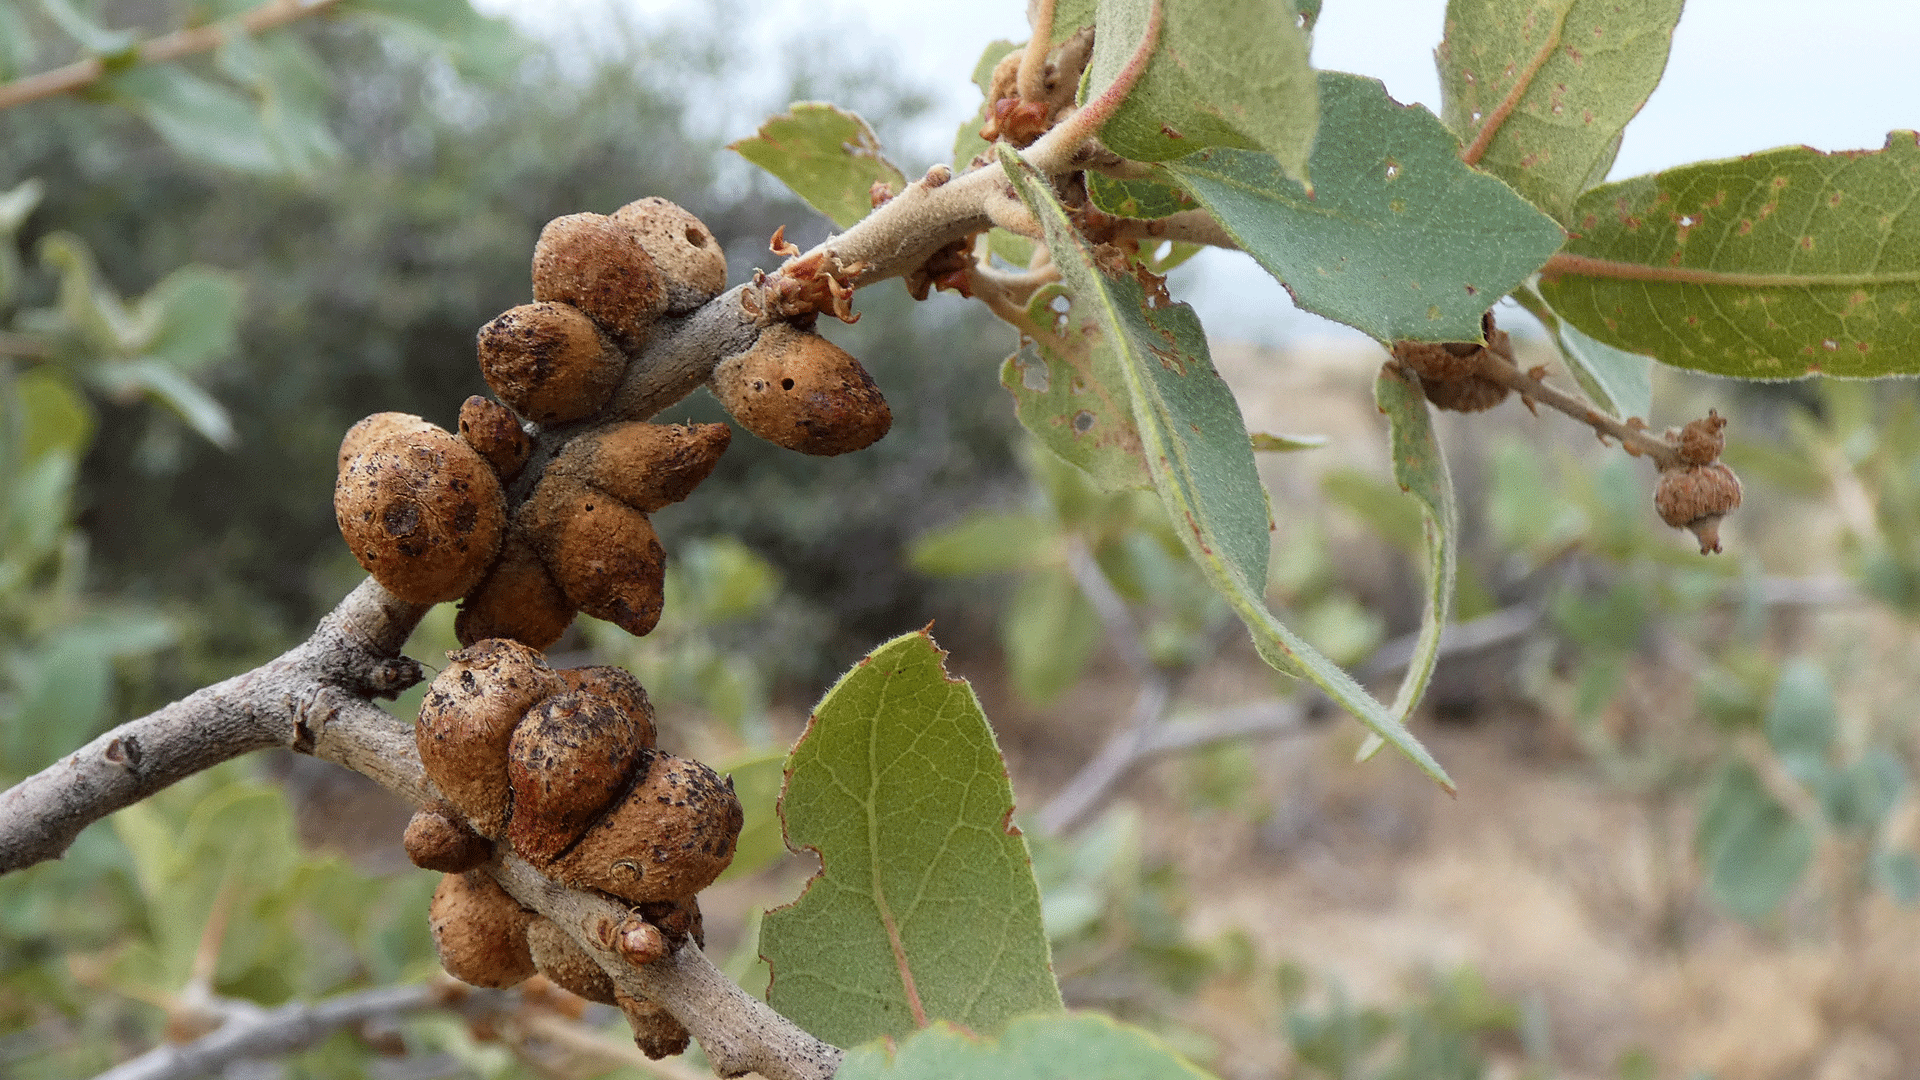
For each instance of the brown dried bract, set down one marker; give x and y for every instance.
(479, 931)
(604, 553)
(1452, 372)
(423, 513)
(949, 268)
(549, 362)
(519, 599)
(491, 428)
(437, 839)
(599, 265)
(467, 720)
(647, 466)
(682, 247)
(666, 840)
(799, 390)
(571, 757)
(1697, 497)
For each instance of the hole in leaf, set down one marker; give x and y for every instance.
(1060, 304)
(1035, 377)
(1163, 251)
(1687, 222)
(1830, 345)
(1393, 169)
(1476, 117)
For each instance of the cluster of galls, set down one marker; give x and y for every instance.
(560, 766)
(427, 513)
(1696, 490)
(1452, 373)
(538, 509)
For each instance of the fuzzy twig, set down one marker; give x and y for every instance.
(1033, 62)
(83, 73)
(1531, 388)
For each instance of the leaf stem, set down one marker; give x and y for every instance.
(1484, 137)
(1033, 62)
(1086, 123)
(83, 73)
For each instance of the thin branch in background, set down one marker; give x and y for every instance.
(83, 73)
(573, 1036)
(251, 1032)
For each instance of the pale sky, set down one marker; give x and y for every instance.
(1744, 75)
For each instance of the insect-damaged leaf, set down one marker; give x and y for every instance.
(828, 156)
(1398, 238)
(1196, 448)
(1223, 73)
(925, 907)
(1069, 1047)
(1069, 392)
(1559, 78)
(1770, 266)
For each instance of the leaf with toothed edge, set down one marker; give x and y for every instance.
(925, 906)
(1399, 238)
(1420, 468)
(1198, 451)
(1561, 78)
(826, 155)
(1776, 265)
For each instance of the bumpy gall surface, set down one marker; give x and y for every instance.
(689, 258)
(377, 426)
(518, 599)
(646, 466)
(549, 362)
(560, 959)
(491, 428)
(671, 836)
(1696, 498)
(598, 265)
(604, 553)
(799, 390)
(467, 721)
(571, 757)
(442, 841)
(618, 686)
(423, 512)
(480, 932)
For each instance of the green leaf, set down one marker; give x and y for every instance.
(1398, 238)
(756, 783)
(292, 93)
(480, 46)
(1619, 383)
(201, 120)
(15, 204)
(1421, 471)
(988, 542)
(207, 417)
(828, 156)
(17, 47)
(1070, 16)
(57, 418)
(1266, 443)
(1049, 630)
(1772, 266)
(1561, 78)
(1197, 449)
(94, 39)
(1752, 850)
(1861, 796)
(1067, 1047)
(1068, 391)
(1800, 723)
(199, 316)
(1226, 73)
(1142, 199)
(925, 906)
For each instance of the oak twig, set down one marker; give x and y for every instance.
(83, 73)
(1531, 388)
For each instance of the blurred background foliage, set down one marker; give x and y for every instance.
(209, 270)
